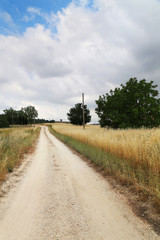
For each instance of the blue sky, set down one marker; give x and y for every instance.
(13, 13)
(49, 56)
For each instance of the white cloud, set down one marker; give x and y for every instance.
(6, 17)
(48, 18)
(7, 23)
(32, 13)
(92, 51)
(34, 10)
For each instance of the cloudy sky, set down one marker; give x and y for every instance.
(53, 50)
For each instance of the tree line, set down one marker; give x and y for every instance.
(24, 116)
(133, 105)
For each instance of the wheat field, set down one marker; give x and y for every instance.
(140, 146)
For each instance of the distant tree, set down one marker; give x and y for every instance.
(10, 114)
(75, 115)
(31, 113)
(16, 116)
(134, 105)
(3, 121)
(21, 117)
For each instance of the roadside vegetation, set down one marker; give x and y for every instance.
(132, 156)
(14, 143)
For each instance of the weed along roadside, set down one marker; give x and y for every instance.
(139, 179)
(14, 143)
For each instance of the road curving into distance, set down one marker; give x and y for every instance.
(59, 197)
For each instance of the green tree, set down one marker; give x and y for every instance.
(10, 114)
(3, 121)
(21, 117)
(31, 113)
(133, 105)
(75, 115)
(16, 116)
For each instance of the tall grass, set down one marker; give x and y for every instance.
(137, 152)
(14, 143)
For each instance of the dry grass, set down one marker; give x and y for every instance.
(137, 146)
(139, 150)
(14, 143)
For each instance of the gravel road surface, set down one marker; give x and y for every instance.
(55, 195)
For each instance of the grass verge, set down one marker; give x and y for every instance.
(142, 193)
(14, 143)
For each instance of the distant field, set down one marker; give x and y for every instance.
(14, 143)
(132, 155)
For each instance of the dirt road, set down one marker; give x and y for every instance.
(57, 196)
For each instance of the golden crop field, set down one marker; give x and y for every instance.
(139, 146)
(138, 151)
(14, 143)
